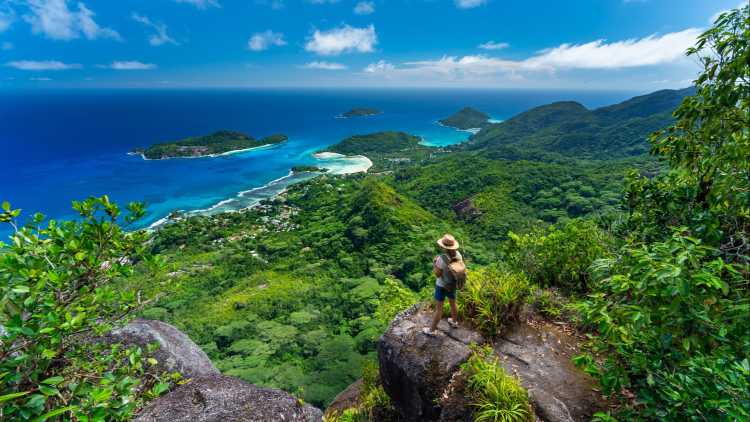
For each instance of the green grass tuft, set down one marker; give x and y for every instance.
(492, 297)
(495, 395)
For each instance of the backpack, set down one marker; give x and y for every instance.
(457, 271)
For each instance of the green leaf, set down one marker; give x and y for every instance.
(20, 289)
(48, 391)
(12, 396)
(6, 206)
(56, 412)
(53, 380)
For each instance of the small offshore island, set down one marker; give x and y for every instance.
(467, 119)
(359, 112)
(308, 169)
(221, 142)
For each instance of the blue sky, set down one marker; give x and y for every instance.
(584, 44)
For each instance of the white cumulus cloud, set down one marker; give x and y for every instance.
(264, 40)
(53, 19)
(129, 65)
(324, 66)
(160, 35)
(364, 8)
(43, 65)
(469, 4)
(343, 39)
(201, 4)
(492, 45)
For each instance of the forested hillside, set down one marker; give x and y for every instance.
(568, 128)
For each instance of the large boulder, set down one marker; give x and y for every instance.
(346, 399)
(539, 354)
(176, 353)
(219, 398)
(415, 368)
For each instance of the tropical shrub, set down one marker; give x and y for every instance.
(56, 292)
(671, 309)
(708, 185)
(492, 297)
(495, 395)
(558, 255)
(672, 319)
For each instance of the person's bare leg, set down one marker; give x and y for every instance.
(438, 316)
(454, 309)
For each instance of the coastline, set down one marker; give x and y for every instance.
(234, 151)
(472, 130)
(337, 164)
(343, 164)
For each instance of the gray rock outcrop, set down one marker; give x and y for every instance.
(421, 373)
(415, 368)
(540, 356)
(176, 353)
(219, 398)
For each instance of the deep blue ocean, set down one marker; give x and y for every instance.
(59, 146)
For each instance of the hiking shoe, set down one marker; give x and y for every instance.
(453, 323)
(427, 331)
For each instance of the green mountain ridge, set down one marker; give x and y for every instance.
(570, 129)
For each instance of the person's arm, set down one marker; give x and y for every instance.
(437, 267)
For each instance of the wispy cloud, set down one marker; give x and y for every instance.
(53, 19)
(324, 66)
(7, 45)
(40, 79)
(469, 4)
(44, 65)
(599, 54)
(201, 4)
(7, 17)
(381, 66)
(129, 65)
(323, 1)
(648, 51)
(343, 39)
(273, 4)
(160, 37)
(492, 45)
(364, 8)
(264, 40)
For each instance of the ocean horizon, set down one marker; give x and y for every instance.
(65, 145)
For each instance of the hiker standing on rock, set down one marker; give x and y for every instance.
(450, 274)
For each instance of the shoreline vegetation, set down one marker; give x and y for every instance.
(219, 143)
(359, 112)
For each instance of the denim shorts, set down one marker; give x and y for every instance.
(441, 293)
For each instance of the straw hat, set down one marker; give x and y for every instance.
(448, 242)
